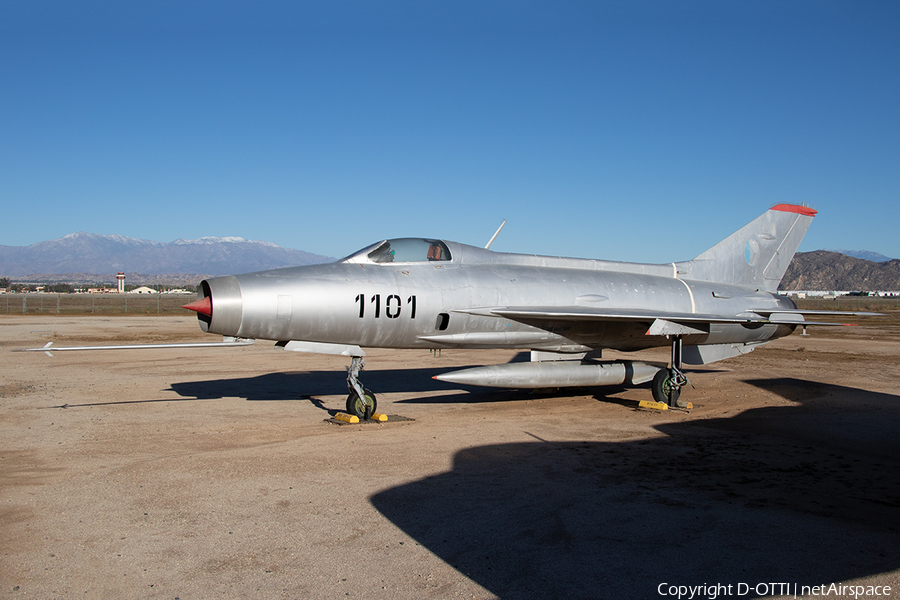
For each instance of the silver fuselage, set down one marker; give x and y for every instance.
(447, 303)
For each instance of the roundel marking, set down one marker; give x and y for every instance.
(751, 252)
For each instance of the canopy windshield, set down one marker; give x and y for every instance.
(402, 250)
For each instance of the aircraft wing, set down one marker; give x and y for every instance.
(583, 313)
(660, 322)
(535, 314)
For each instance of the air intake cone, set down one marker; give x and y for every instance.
(202, 306)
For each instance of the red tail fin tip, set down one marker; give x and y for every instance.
(793, 208)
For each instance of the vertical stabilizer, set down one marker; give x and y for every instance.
(756, 255)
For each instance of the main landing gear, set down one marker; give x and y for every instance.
(667, 383)
(361, 402)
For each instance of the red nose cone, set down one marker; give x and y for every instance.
(202, 306)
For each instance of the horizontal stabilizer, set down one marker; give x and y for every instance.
(798, 316)
(823, 313)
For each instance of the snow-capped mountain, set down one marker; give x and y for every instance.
(864, 255)
(84, 252)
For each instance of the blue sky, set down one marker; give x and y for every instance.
(630, 130)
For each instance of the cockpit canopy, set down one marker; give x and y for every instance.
(402, 250)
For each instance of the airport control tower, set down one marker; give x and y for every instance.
(120, 278)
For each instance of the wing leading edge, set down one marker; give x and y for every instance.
(533, 314)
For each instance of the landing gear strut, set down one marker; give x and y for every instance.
(361, 402)
(667, 383)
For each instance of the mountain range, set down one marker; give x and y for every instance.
(863, 254)
(89, 257)
(90, 253)
(826, 270)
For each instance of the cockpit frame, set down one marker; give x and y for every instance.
(401, 250)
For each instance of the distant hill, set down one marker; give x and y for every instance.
(825, 270)
(91, 253)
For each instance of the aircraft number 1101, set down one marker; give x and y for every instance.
(392, 305)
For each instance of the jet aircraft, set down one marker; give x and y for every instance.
(435, 294)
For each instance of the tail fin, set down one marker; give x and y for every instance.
(756, 255)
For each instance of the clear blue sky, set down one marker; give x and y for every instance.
(624, 130)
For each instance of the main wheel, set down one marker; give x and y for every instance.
(356, 406)
(663, 390)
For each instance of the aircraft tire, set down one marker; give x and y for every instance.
(356, 407)
(663, 391)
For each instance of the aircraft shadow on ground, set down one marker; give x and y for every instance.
(306, 384)
(303, 385)
(770, 495)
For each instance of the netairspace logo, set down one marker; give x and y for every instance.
(720, 590)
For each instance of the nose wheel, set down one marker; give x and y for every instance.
(361, 402)
(362, 407)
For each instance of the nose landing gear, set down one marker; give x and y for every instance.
(361, 402)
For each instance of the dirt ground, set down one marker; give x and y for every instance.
(212, 473)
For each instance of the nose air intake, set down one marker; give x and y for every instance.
(223, 293)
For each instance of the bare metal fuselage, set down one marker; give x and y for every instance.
(449, 303)
(428, 293)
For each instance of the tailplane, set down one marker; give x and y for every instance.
(756, 255)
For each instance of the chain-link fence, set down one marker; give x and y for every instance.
(94, 303)
(850, 303)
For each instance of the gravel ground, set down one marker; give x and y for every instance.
(213, 473)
